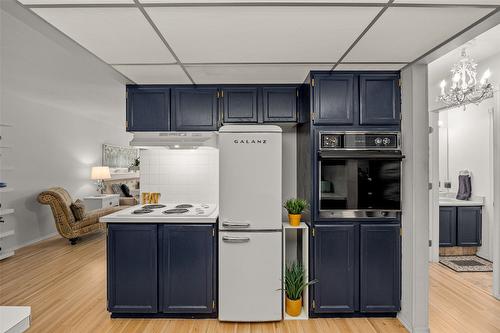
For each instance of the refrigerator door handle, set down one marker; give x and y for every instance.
(231, 224)
(228, 239)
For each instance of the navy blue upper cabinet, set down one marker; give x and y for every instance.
(279, 104)
(380, 268)
(447, 226)
(336, 268)
(379, 99)
(187, 268)
(334, 99)
(148, 109)
(132, 268)
(194, 109)
(239, 104)
(469, 226)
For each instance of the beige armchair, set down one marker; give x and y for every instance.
(68, 227)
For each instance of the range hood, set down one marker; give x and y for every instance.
(174, 140)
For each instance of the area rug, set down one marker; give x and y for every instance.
(467, 263)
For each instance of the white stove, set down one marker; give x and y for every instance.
(165, 213)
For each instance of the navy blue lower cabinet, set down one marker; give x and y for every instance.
(469, 226)
(187, 268)
(447, 226)
(336, 268)
(380, 268)
(194, 109)
(132, 268)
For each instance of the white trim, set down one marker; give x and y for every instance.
(496, 198)
(33, 241)
(434, 193)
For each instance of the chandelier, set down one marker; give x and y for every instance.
(464, 86)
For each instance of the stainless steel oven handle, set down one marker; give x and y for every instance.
(228, 239)
(231, 224)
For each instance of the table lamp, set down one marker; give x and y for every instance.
(100, 173)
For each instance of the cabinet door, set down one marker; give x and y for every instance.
(187, 254)
(336, 268)
(240, 104)
(447, 226)
(469, 226)
(132, 268)
(380, 268)
(194, 109)
(379, 99)
(279, 104)
(334, 96)
(148, 109)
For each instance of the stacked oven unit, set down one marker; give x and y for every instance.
(349, 169)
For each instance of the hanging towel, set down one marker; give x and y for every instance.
(464, 187)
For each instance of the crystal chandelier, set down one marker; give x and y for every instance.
(464, 86)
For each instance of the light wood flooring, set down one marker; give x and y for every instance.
(65, 286)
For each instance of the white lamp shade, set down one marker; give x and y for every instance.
(100, 172)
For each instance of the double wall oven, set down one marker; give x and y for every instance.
(359, 174)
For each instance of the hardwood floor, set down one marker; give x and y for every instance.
(65, 286)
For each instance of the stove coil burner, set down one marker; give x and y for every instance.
(142, 211)
(176, 211)
(184, 206)
(153, 206)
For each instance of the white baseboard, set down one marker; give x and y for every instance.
(404, 321)
(33, 241)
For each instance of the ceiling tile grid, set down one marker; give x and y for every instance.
(154, 74)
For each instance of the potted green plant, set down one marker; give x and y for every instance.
(295, 282)
(295, 207)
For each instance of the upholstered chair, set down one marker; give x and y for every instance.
(68, 227)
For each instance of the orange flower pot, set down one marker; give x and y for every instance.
(294, 219)
(293, 307)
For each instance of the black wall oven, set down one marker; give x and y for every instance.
(359, 175)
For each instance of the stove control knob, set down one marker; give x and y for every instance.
(386, 141)
(378, 141)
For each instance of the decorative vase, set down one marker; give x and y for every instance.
(293, 307)
(294, 219)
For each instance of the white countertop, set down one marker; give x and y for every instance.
(449, 199)
(14, 318)
(209, 215)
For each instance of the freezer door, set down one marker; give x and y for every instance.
(250, 276)
(250, 181)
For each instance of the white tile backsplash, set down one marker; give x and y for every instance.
(190, 175)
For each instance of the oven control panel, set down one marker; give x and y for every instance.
(359, 140)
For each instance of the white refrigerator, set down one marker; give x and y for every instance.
(250, 258)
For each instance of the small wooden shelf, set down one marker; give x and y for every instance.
(7, 211)
(296, 248)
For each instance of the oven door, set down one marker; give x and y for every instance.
(358, 184)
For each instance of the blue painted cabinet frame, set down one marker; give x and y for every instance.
(380, 268)
(335, 99)
(148, 109)
(195, 109)
(132, 268)
(187, 268)
(336, 268)
(240, 104)
(447, 226)
(379, 99)
(469, 226)
(279, 104)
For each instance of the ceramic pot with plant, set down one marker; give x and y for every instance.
(295, 207)
(295, 282)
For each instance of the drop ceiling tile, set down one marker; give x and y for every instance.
(261, 34)
(72, 2)
(152, 74)
(404, 34)
(451, 2)
(369, 67)
(257, 1)
(116, 35)
(252, 74)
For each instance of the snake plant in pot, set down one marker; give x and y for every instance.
(295, 282)
(295, 207)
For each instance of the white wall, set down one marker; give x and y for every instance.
(466, 142)
(185, 175)
(63, 104)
